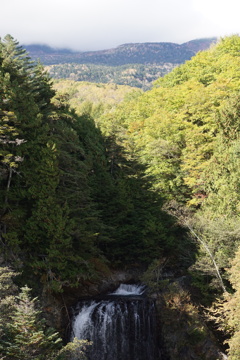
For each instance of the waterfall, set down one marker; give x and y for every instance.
(126, 290)
(121, 326)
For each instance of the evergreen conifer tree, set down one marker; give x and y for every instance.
(26, 336)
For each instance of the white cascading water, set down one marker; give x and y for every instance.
(120, 327)
(127, 290)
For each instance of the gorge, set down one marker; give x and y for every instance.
(88, 191)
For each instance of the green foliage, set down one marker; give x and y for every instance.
(35, 218)
(185, 133)
(92, 99)
(79, 193)
(76, 195)
(25, 337)
(225, 312)
(7, 300)
(221, 234)
(74, 350)
(153, 276)
(135, 75)
(183, 329)
(177, 127)
(232, 309)
(23, 331)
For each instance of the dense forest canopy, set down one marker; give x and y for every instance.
(73, 203)
(155, 177)
(136, 75)
(93, 98)
(66, 189)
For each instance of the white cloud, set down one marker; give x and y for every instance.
(220, 15)
(98, 24)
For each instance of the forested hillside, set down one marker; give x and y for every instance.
(186, 133)
(151, 183)
(128, 64)
(66, 189)
(94, 99)
(71, 198)
(135, 75)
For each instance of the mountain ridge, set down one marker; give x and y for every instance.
(129, 53)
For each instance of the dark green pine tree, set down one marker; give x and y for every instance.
(8, 291)
(17, 109)
(35, 218)
(96, 169)
(26, 336)
(74, 188)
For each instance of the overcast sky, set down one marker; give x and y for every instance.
(103, 24)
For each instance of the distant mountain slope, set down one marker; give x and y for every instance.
(199, 44)
(136, 53)
(136, 75)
